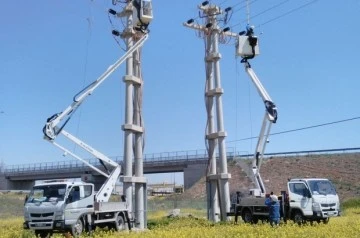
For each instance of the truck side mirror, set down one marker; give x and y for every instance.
(26, 198)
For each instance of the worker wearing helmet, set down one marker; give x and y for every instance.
(274, 209)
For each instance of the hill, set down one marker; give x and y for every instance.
(342, 169)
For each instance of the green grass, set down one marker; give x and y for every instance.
(351, 203)
(11, 205)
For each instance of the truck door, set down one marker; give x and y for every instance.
(78, 202)
(300, 197)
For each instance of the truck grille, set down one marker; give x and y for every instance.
(43, 220)
(328, 204)
(50, 214)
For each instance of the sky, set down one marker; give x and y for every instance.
(308, 63)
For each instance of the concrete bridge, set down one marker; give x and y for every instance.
(192, 163)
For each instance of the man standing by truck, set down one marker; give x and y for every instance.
(274, 209)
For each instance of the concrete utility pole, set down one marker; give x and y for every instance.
(133, 127)
(218, 195)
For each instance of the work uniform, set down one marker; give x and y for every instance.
(274, 209)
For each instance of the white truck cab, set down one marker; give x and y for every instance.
(312, 199)
(58, 205)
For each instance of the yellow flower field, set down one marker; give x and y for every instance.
(346, 226)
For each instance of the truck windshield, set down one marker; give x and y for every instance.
(47, 193)
(323, 187)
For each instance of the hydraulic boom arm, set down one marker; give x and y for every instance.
(52, 129)
(269, 118)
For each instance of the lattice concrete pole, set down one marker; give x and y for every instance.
(223, 172)
(211, 180)
(140, 180)
(127, 34)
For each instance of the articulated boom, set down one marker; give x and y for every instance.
(269, 118)
(52, 130)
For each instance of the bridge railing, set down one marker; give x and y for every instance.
(163, 157)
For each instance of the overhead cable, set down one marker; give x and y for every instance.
(287, 13)
(300, 129)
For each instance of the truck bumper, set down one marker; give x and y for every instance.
(53, 225)
(326, 214)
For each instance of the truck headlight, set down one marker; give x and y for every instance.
(316, 206)
(59, 215)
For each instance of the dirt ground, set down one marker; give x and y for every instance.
(342, 169)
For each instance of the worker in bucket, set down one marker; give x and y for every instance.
(274, 209)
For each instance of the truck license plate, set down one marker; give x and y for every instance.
(40, 224)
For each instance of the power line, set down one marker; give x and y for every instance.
(221, 3)
(242, 7)
(287, 13)
(260, 13)
(232, 7)
(300, 129)
(271, 8)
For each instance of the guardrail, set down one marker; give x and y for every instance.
(164, 157)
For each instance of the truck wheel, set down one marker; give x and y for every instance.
(120, 223)
(298, 217)
(326, 220)
(247, 216)
(77, 228)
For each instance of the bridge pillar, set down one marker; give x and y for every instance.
(16, 184)
(193, 173)
(3, 181)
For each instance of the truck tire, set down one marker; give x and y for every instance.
(247, 216)
(77, 229)
(326, 220)
(120, 223)
(298, 217)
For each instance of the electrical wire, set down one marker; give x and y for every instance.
(233, 6)
(299, 129)
(271, 8)
(288, 12)
(260, 13)
(221, 3)
(115, 38)
(89, 20)
(242, 7)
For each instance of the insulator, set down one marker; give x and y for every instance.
(112, 12)
(204, 3)
(115, 33)
(227, 9)
(242, 33)
(190, 21)
(208, 25)
(226, 29)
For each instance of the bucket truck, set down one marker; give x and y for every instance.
(65, 205)
(301, 201)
